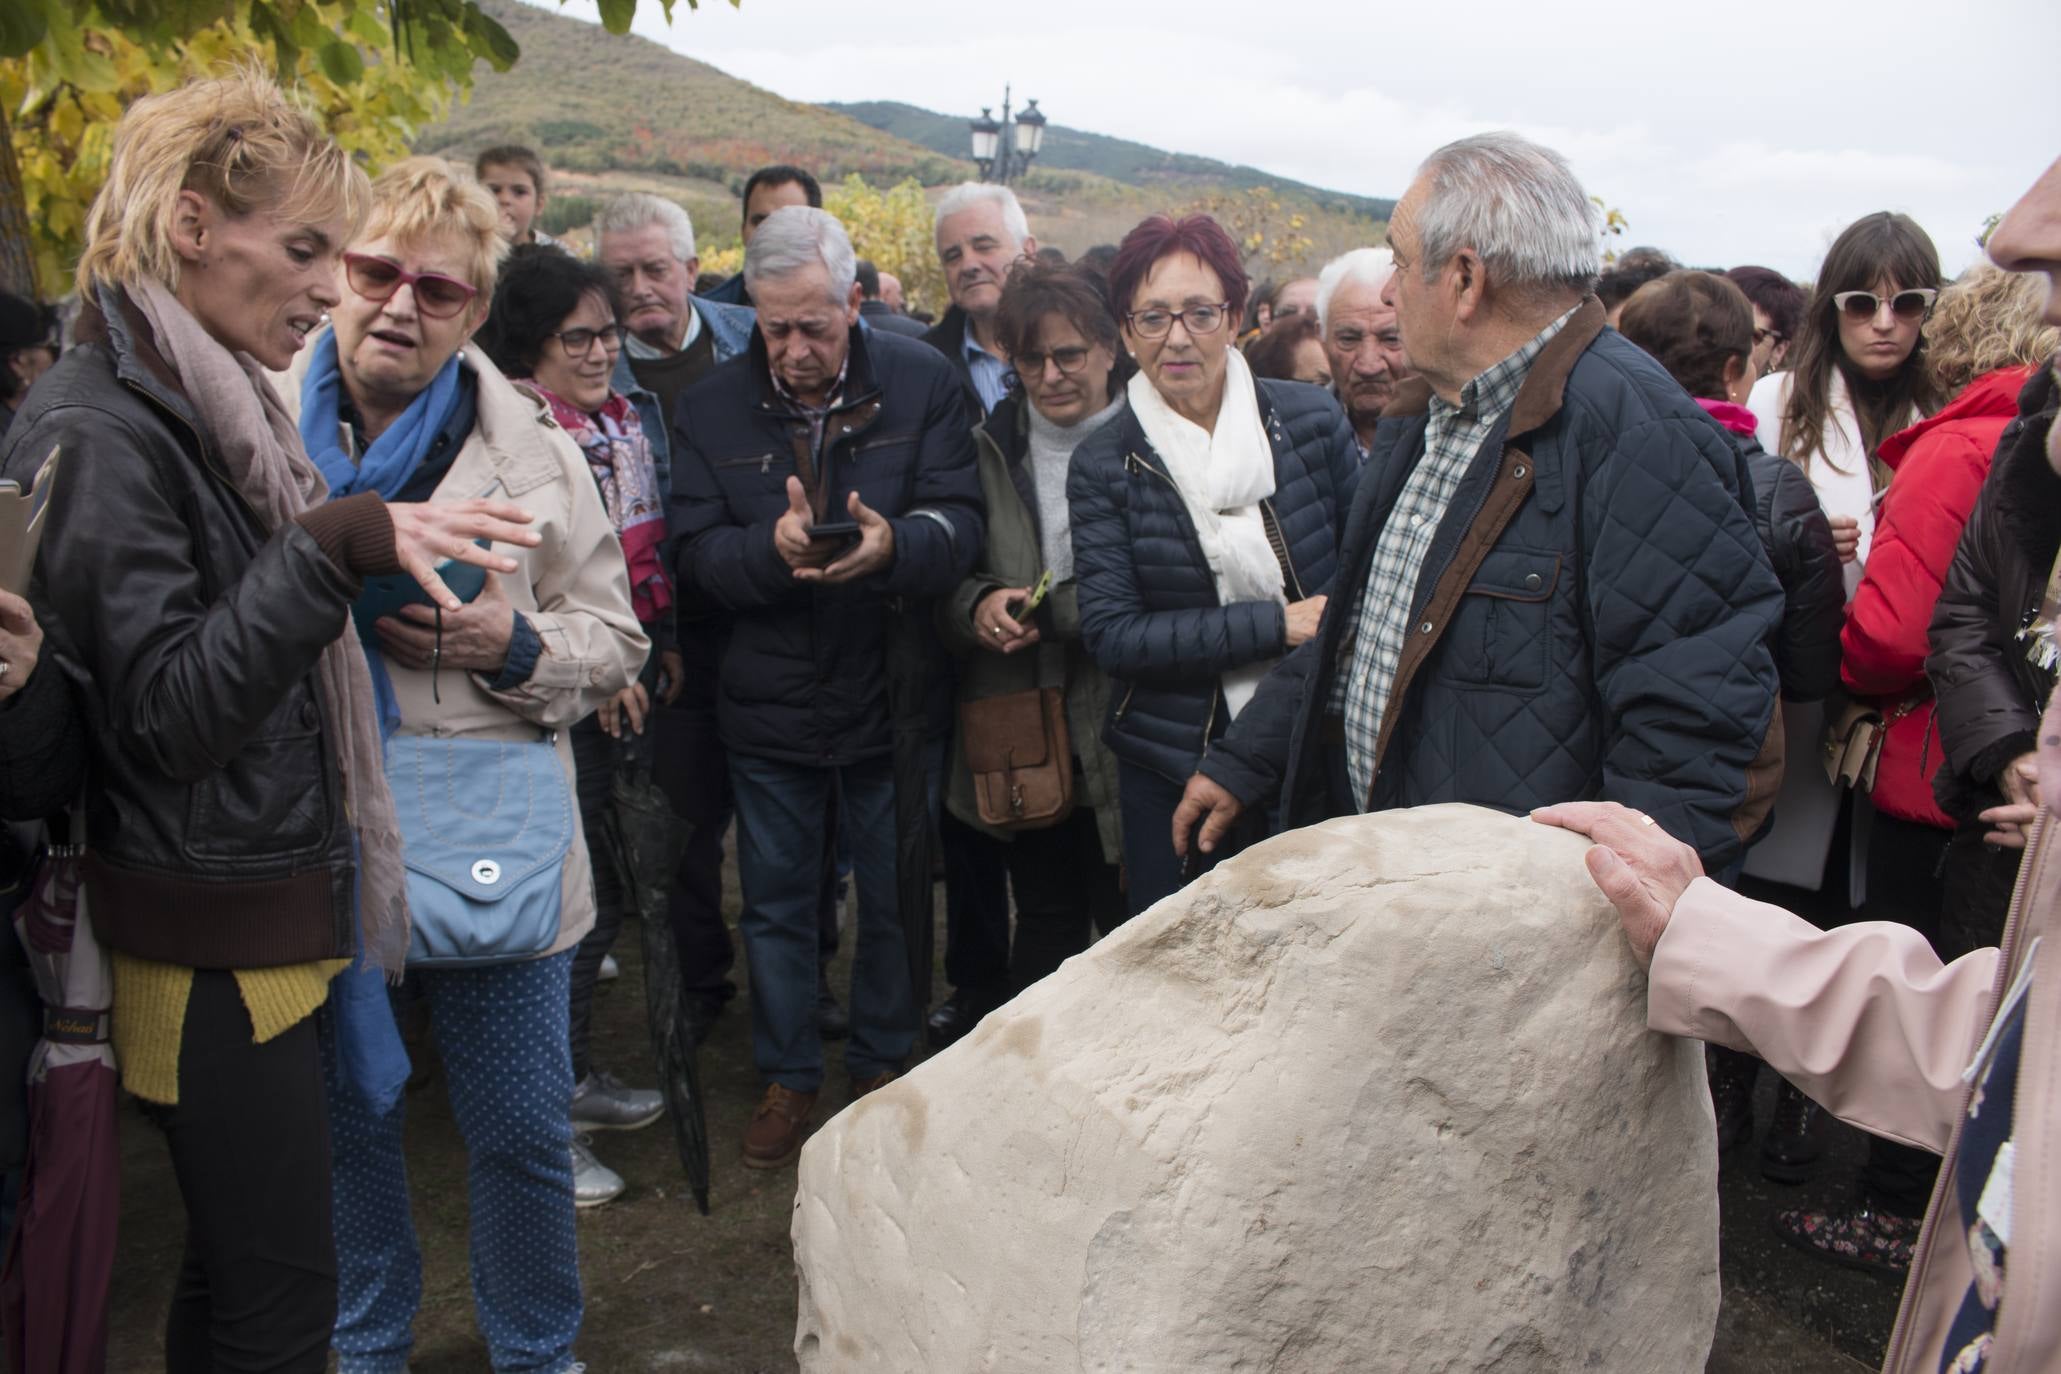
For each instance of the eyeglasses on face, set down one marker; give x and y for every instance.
(1199, 319)
(376, 279)
(1069, 361)
(578, 343)
(1761, 336)
(1905, 305)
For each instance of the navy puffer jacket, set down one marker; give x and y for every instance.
(1149, 609)
(1592, 621)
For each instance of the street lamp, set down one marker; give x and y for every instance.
(986, 136)
(1004, 150)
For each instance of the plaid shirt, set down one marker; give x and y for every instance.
(1381, 620)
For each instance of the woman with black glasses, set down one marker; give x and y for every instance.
(553, 328)
(1206, 518)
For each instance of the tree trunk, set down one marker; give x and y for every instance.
(17, 262)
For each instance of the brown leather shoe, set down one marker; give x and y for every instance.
(862, 1086)
(778, 1126)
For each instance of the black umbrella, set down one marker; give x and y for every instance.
(647, 840)
(913, 662)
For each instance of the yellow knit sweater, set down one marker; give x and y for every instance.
(150, 1014)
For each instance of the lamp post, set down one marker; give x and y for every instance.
(1004, 149)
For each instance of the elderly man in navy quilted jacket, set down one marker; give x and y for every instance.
(1549, 589)
(823, 489)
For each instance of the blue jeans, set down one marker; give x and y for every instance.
(501, 1031)
(780, 844)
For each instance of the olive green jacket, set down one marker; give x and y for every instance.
(1013, 557)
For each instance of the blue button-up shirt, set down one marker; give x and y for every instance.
(990, 373)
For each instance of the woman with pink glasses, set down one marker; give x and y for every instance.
(476, 705)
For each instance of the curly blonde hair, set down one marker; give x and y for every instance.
(421, 199)
(1988, 319)
(237, 139)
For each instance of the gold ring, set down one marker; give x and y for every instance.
(997, 629)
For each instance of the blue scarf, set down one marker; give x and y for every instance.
(385, 466)
(368, 1043)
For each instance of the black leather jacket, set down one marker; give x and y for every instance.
(215, 824)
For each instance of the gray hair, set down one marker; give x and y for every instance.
(968, 194)
(635, 209)
(795, 238)
(1515, 203)
(1370, 267)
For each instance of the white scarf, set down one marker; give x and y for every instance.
(1223, 475)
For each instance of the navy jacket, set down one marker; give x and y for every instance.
(1149, 609)
(1592, 621)
(804, 674)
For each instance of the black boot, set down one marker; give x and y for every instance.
(960, 1013)
(1731, 1094)
(1789, 1152)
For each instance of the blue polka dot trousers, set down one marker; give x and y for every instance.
(501, 1032)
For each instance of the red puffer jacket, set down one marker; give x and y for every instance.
(1940, 464)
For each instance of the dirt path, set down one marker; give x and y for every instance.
(670, 1290)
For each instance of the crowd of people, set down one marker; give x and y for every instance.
(1118, 567)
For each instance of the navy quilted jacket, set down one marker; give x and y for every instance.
(1149, 609)
(1611, 641)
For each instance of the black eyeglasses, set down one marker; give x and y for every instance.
(1070, 361)
(1761, 336)
(1905, 305)
(1199, 319)
(578, 343)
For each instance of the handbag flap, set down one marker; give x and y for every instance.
(1005, 732)
(479, 816)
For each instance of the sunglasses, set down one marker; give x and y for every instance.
(1905, 305)
(1761, 336)
(1069, 361)
(437, 296)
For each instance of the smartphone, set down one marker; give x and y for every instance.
(1036, 599)
(841, 535)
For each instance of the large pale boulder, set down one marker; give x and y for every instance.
(1375, 1095)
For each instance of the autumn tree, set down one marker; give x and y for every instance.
(375, 71)
(1268, 232)
(895, 231)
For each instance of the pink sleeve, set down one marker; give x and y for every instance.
(1864, 1019)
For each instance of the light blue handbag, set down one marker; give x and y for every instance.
(485, 829)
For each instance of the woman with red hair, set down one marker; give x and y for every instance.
(1206, 518)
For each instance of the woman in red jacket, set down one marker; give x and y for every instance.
(1985, 340)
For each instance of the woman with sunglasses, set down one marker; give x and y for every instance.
(1055, 325)
(1206, 519)
(241, 842)
(553, 328)
(392, 402)
(1858, 373)
(1857, 376)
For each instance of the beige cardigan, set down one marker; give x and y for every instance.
(573, 587)
(1866, 1021)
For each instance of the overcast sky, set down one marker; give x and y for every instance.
(1748, 132)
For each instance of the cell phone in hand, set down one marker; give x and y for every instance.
(1037, 598)
(838, 534)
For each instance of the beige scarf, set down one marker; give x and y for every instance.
(261, 448)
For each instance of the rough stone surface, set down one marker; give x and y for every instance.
(1375, 1095)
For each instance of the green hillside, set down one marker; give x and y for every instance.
(610, 114)
(1120, 159)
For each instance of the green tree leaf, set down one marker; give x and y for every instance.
(340, 62)
(617, 14)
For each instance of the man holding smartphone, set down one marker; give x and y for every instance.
(823, 490)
